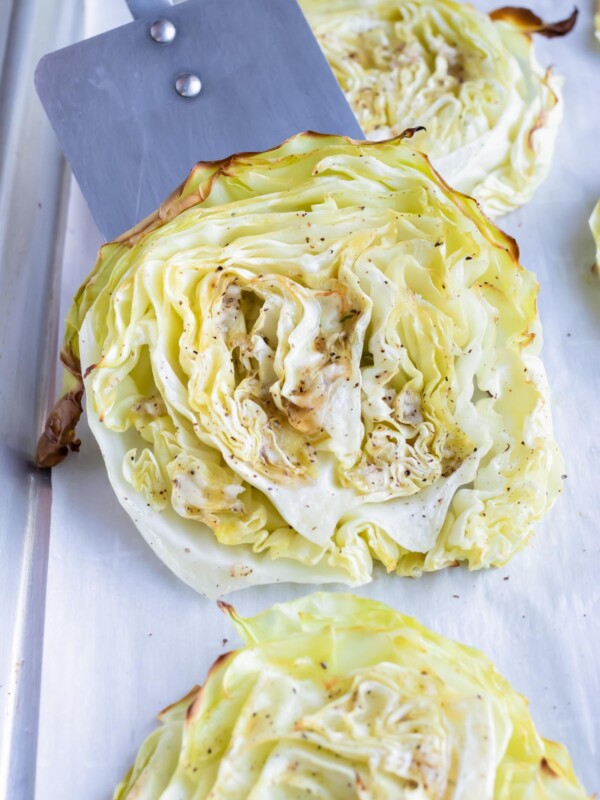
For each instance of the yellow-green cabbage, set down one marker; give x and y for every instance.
(336, 696)
(490, 111)
(595, 227)
(312, 359)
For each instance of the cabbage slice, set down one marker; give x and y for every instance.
(490, 111)
(336, 696)
(310, 360)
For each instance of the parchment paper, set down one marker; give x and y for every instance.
(124, 637)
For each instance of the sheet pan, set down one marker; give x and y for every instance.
(123, 637)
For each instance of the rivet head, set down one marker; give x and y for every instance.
(188, 85)
(163, 31)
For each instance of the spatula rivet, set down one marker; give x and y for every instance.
(163, 31)
(188, 85)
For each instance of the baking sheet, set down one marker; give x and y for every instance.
(124, 637)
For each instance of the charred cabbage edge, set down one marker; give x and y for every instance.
(595, 228)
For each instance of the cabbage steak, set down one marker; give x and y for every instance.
(311, 360)
(336, 696)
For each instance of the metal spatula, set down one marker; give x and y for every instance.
(135, 108)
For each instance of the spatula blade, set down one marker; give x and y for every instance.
(130, 138)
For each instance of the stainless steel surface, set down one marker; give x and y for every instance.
(32, 191)
(112, 103)
(188, 85)
(163, 31)
(147, 8)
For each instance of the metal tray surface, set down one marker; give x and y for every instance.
(123, 638)
(32, 202)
